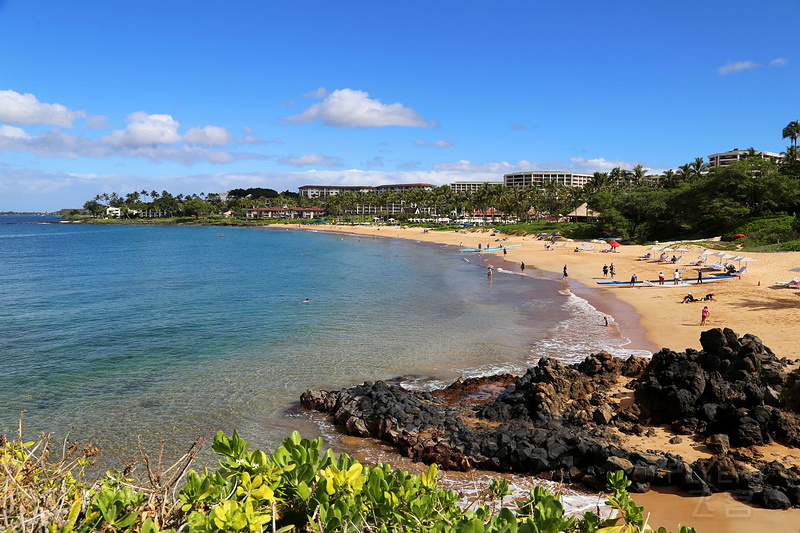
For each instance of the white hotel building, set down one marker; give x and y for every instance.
(723, 159)
(471, 186)
(538, 178)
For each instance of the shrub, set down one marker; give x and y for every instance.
(298, 487)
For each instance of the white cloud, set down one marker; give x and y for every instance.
(320, 93)
(248, 130)
(739, 66)
(56, 143)
(26, 109)
(312, 160)
(420, 142)
(10, 132)
(348, 108)
(250, 139)
(146, 130)
(518, 127)
(442, 144)
(376, 161)
(209, 136)
(779, 62)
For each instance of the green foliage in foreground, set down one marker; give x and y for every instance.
(297, 488)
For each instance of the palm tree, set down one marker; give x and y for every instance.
(639, 174)
(792, 130)
(698, 167)
(684, 172)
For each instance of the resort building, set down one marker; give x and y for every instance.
(284, 212)
(471, 186)
(402, 187)
(323, 191)
(538, 178)
(724, 159)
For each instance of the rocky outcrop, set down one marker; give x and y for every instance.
(569, 422)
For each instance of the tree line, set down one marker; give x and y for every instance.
(692, 200)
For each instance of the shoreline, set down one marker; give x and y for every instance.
(751, 304)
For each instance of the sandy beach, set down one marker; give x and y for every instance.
(654, 317)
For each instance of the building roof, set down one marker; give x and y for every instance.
(584, 211)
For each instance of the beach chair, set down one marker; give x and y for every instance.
(794, 282)
(587, 246)
(740, 272)
(678, 259)
(719, 265)
(684, 269)
(701, 262)
(644, 257)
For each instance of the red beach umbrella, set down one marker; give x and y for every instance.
(613, 244)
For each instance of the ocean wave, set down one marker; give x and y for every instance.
(582, 334)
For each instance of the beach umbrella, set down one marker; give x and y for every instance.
(727, 256)
(668, 249)
(681, 249)
(613, 244)
(795, 269)
(709, 252)
(654, 248)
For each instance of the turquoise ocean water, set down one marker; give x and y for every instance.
(173, 332)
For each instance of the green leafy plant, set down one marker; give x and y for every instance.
(298, 487)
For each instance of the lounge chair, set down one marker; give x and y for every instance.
(719, 265)
(587, 246)
(644, 257)
(794, 282)
(740, 272)
(701, 262)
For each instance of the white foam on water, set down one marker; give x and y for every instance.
(583, 333)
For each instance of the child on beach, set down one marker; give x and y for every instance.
(705, 315)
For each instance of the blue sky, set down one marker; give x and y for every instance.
(203, 96)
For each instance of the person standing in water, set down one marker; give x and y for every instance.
(522, 267)
(489, 273)
(565, 273)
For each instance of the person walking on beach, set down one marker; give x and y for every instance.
(522, 267)
(505, 251)
(660, 278)
(605, 271)
(612, 270)
(705, 315)
(676, 277)
(633, 280)
(565, 273)
(699, 276)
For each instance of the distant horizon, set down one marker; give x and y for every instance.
(132, 97)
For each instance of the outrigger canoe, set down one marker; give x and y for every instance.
(491, 249)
